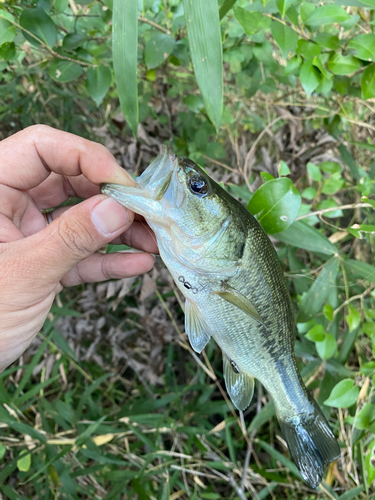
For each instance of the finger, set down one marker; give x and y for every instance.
(139, 235)
(58, 188)
(50, 254)
(44, 149)
(100, 267)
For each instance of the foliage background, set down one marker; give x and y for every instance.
(110, 402)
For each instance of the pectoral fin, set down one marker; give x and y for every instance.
(236, 298)
(196, 327)
(240, 386)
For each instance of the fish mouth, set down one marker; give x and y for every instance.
(157, 178)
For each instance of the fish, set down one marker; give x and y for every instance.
(228, 271)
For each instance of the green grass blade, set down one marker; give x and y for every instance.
(125, 49)
(203, 27)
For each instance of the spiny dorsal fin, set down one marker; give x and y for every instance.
(196, 327)
(240, 386)
(236, 298)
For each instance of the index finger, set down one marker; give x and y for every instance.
(28, 157)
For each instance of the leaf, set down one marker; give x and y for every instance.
(125, 54)
(203, 27)
(304, 236)
(225, 8)
(327, 14)
(318, 294)
(343, 65)
(309, 193)
(309, 76)
(98, 82)
(283, 6)
(276, 204)
(364, 46)
(361, 231)
(64, 71)
(365, 417)
(316, 333)
(250, 21)
(24, 463)
(314, 172)
(158, 48)
(368, 82)
(285, 37)
(360, 269)
(283, 169)
(333, 184)
(7, 31)
(2, 451)
(326, 347)
(328, 41)
(368, 368)
(37, 22)
(343, 395)
(8, 51)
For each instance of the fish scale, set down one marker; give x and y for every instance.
(226, 267)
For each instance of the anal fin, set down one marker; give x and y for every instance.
(240, 386)
(196, 327)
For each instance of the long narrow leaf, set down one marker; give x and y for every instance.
(203, 27)
(125, 49)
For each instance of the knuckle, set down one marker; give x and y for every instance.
(76, 237)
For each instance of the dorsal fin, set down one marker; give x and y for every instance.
(236, 298)
(240, 386)
(196, 327)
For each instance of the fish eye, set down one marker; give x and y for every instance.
(198, 186)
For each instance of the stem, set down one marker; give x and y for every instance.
(331, 209)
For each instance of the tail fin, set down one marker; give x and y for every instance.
(311, 443)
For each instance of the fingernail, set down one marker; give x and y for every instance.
(109, 216)
(122, 177)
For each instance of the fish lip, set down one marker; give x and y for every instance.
(158, 175)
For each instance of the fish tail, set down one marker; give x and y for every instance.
(311, 442)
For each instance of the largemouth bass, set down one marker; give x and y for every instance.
(226, 267)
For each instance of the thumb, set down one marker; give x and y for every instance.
(74, 235)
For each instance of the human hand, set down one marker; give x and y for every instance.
(40, 168)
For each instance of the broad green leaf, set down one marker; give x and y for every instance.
(365, 417)
(343, 395)
(314, 172)
(368, 82)
(293, 65)
(250, 21)
(320, 290)
(328, 41)
(310, 77)
(60, 5)
(343, 65)
(308, 50)
(327, 14)
(203, 27)
(283, 169)
(368, 368)
(24, 463)
(309, 193)
(7, 31)
(361, 231)
(369, 460)
(304, 236)
(158, 48)
(305, 10)
(316, 333)
(8, 51)
(285, 37)
(364, 46)
(2, 451)
(37, 22)
(318, 63)
(125, 53)
(328, 312)
(333, 184)
(326, 347)
(226, 6)
(73, 40)
(64, 71)
(361, 270)
(276, 204)
(283, 6)
(98, 82)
